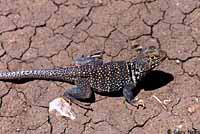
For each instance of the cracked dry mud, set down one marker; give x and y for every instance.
(51, 33)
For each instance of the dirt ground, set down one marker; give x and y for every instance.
(51, 33)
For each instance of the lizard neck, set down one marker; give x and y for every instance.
(137, 71)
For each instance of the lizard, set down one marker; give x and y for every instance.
(91, 75)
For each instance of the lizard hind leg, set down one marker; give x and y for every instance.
(82, 92)
(96, 58)
(129, 93)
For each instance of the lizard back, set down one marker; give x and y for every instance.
(107, 77)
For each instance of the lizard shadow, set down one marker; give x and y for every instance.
(152, 81)
(20, 81)
(25, 80)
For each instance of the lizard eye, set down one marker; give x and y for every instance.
(153, 58)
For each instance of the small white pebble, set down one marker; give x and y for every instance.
(99, 1)
(61, 108)
(18, 130)
(136, 98)
(141, 103)
(167, 101)
(177, 4)
(196, 99)
(180, 126)
(178, 61)
(25, 109)
(191, 73)
(193, 108)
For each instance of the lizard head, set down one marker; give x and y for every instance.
(147, 59)
(151, 57)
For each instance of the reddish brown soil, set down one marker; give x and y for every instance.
(51, 33)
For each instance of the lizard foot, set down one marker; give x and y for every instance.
(137, 103)
(130, 96)
(96, 58)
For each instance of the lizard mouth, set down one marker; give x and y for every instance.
(163, 55)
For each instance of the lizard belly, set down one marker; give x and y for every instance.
(107, 86)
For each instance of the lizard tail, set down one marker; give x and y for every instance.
(60, 74)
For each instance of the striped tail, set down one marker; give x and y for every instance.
(60, 74)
